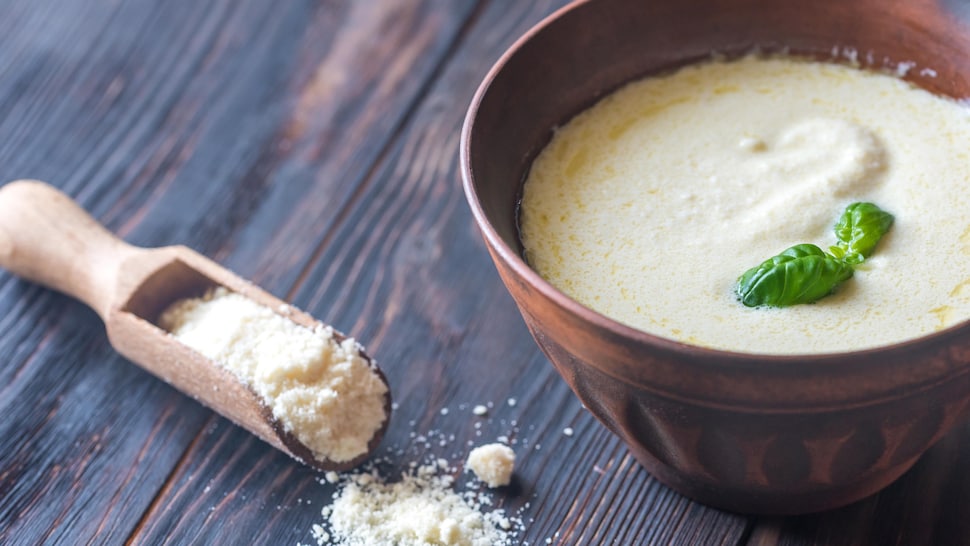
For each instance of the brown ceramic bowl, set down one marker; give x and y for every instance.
(749, 433)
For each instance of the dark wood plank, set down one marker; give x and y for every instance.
(165, 120)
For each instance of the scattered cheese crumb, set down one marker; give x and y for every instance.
(568, 431)
(332, 477)
(322, 391)
(444, 411)
(480, 410)
(492, 464)
(319, 534)
(512, 402)
(420, 510)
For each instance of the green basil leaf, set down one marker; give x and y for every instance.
(860, 228)
(801, 274)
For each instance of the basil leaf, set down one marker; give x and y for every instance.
(804, 273)
(801, 274)
(860, 228)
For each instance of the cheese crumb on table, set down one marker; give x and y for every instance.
(420, 510)
(492, 464)
(321, 390)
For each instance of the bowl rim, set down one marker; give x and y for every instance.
(721, 359)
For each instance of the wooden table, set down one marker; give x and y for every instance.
(312, 147)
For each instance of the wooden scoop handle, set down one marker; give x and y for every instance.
(47, 238)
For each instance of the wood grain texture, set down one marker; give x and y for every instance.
(312, 147)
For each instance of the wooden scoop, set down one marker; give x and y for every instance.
(46, 238)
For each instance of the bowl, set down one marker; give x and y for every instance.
(744, 432)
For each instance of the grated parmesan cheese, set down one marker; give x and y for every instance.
(420, 510)
(320, 390)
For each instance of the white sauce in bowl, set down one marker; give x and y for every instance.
(649, 205)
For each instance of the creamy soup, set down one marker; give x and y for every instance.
(648, 206)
